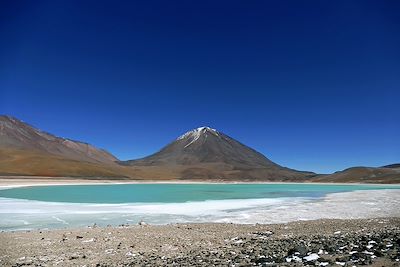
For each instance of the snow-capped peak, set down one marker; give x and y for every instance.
(196, 133)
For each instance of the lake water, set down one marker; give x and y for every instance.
(36, 207)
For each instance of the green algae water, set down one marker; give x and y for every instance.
(71, 206)
(174, 193)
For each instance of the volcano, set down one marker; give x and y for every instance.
(205, 153)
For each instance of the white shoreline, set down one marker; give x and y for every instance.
(6, 183)
(358, 204)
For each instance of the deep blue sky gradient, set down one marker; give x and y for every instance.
(314, 85)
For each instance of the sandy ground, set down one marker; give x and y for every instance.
(10, 181)
(374, 242)
(15, 181)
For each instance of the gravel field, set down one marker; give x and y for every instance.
(374, 242)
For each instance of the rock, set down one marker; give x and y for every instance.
(301, 249)
(64, 238)
(74, 256)
(89, 240)
(343, 258)
(311, 257)
(378, 253)
(142, 223)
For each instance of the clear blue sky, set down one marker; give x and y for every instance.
(313, 85)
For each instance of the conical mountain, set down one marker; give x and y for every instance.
(207, 153)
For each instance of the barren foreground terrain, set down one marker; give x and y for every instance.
(374, 242)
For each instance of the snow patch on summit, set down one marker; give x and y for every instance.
(195, 134)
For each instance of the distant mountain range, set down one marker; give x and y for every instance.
(200, 154)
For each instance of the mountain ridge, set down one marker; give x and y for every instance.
(203, 153)
(362, 174)
(15, 133)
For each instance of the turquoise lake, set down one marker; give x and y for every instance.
(174, 193)
(71, 206)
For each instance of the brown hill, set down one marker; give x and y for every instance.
(205, 153)
(25, 150)
(384, 175)
(17, 162)
(16, 134)
(392, 166)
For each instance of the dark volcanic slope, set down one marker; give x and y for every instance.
(206, 145)
(207, 153)
(15, 134)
